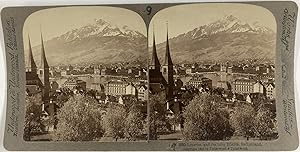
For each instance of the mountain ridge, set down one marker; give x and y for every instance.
(228, 38)
(97, 42)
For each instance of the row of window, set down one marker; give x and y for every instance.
(118, 90)
(116, 85)
(243, 88)
(244, 83)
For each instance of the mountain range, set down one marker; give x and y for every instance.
(228, 38)
(98, 42)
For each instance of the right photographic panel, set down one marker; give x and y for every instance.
(212, 73)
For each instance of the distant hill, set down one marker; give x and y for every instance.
(228, 39)
(98, 42)
(101, 42)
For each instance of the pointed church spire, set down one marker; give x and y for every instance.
(154, 60)
(44, 73)
(168, 60)
(44, 63)
(31, 66)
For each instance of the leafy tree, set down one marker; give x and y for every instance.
(243, 120)
(206, 120)
(114, 121)
(134, 124)
(176, 119)
(33, 111)
(102, 95)
(158, 121)
(80, 120)
(129, 101)
(91, 93)
(218, 91)
(266, 125)
(112, 99)
(186, 97)
(61, 99)
(258, 101)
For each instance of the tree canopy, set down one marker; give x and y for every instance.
(206, 120)
(158, 121)
(80, 120)
(243, 120)
(33, 111)
(134, 124)
(114, 121)
(266, 124)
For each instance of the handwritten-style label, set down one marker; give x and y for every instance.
(13, 96)
(286, 38)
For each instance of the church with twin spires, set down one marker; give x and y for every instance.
(38, 83)
(161, 80)
(161, 76)
(37, 78)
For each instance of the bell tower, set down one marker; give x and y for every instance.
(44, 73)
(154, 64)
(167, 70)
(30, 64)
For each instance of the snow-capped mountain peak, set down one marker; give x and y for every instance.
(230, 18)
(99, 28)
(227, 24)
(260, 28)
(101, 22)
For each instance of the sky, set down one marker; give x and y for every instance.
(54, 22)
(184, 18)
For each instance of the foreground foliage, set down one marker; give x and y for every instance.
(205, 119)
(80, 120)
(114, 121)
(33, 112)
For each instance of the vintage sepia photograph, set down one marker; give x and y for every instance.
(210, 68)
(169, 76)
(212, 73)
(86, 75)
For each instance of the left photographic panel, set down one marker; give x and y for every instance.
(85, 75)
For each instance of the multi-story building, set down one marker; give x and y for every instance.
(142, 93)
(119, 87)
(243, 85)
(115, 87)
(130, 90)
(258, 87)
(200, 81)
(75, 83)
(270, 87)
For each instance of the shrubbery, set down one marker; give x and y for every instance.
(206, 120)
